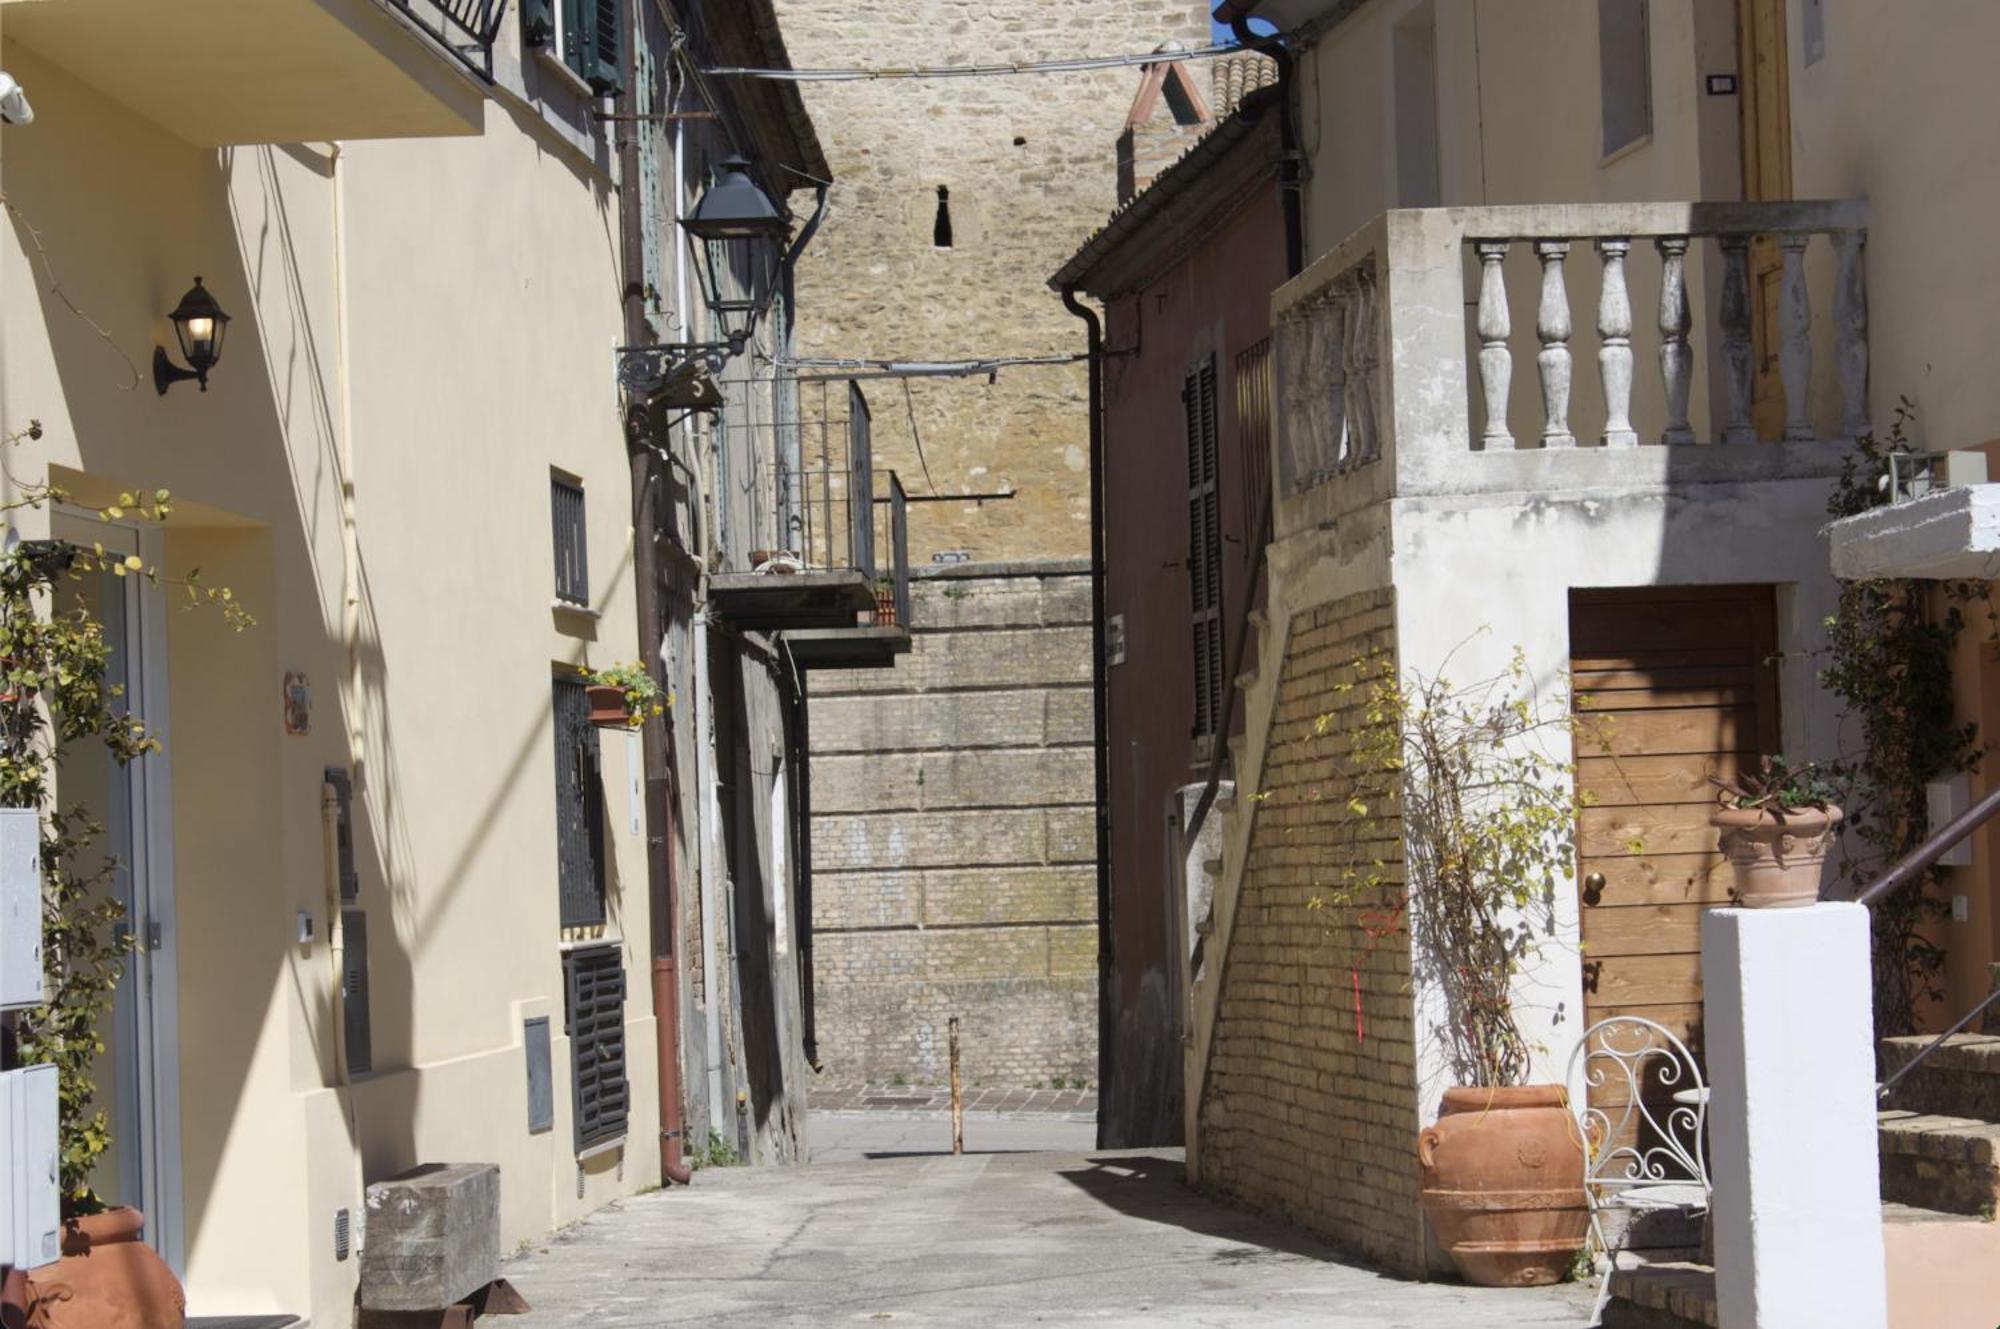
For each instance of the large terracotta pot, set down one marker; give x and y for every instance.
(106, 1279)
(1777, 862)
(1503, 1184)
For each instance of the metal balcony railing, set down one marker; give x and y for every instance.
(465, 28)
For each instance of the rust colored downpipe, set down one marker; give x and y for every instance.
(1290, 196)
(663, 894)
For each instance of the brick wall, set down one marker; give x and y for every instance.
(1304, 1113)
(953, 852)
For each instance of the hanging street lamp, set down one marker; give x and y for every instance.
(741, 234)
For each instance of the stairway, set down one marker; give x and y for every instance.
(1939, 1141)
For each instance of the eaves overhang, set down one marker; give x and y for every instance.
(1237, 155)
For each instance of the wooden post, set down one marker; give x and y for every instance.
(957, 1095)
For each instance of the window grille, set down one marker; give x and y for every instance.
(579, 808)
(594, 999)
(1204, 562)
(572, 556)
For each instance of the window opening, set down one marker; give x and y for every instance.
(941, 228)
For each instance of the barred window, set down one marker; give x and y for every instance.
(579, 808)
(1204, 561)
(572, 552)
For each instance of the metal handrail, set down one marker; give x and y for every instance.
(1925, 856)
(1936, 1043)
(1911, 869)
(477, 20)
(1259, 543)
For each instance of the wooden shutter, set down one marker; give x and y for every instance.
(355, 1027)
(601, 50)
(1204, 561)
(594, 982)
(538, 22)
(575, 15)
(579, 808)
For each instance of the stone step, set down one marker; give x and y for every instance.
(1961, 1079)
(1941, 1163)
(1661, 1295)
(1930, 1255)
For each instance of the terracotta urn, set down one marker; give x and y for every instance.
(607, 706)
(1503, 1184)
(106, 1279)
(1777, 862)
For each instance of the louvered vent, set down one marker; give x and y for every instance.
(595, 981)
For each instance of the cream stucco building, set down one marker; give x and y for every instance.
(412, 214)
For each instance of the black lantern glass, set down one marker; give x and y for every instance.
(199, 325)
(741, 235)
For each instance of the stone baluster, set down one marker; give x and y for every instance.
(1795, 344)
(1367, 362)
(1496, 364)
(1850, 318)
(1552, 326)
(1738, 356)
(1614, 344)
(1676, 359)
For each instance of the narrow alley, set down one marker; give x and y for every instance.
(904, 1235)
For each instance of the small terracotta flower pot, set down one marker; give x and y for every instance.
(1777, 861)
(107, 1279)
(1503, 1184)
(607, 707)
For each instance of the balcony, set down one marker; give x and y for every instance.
(222, 72)
(832, 595)
(1448, 353)
(875, 638)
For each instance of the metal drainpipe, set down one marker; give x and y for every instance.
(662, 889)
(1101, 720)
(1289, 199)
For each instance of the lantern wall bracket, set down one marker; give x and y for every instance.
(646, 371)
(166, 373)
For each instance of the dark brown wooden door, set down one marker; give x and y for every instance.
(1670, 685)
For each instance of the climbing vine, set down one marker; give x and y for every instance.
(1489, 819)
(56, 692)
(1889, 655)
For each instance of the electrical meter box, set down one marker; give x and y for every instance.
(30, 1202)
(20, 908)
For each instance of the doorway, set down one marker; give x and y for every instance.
(139, 1084)
(1670, 686)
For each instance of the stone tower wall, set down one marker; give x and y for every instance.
(1030, 163)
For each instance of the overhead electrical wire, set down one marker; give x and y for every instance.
(812, 368)
(977, 71)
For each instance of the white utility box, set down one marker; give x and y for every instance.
(30, 1198)
(20, 908)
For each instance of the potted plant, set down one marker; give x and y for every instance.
(59, 695)
(1775, 824)
(622, 696)
(1487, 832)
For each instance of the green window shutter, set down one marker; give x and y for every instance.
(576, 16)
(604, 46)
(538, 22)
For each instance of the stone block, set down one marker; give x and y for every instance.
(432, 1237)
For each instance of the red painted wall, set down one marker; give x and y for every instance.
(1215, 299)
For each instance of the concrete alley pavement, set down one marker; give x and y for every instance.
(1100, 1238)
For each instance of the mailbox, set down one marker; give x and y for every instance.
(30, 1198)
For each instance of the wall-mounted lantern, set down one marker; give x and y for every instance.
(198, 325)
(743, 233)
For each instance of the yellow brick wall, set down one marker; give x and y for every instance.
(1305, 1113)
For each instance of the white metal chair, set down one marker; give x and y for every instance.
(1645, 1137)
